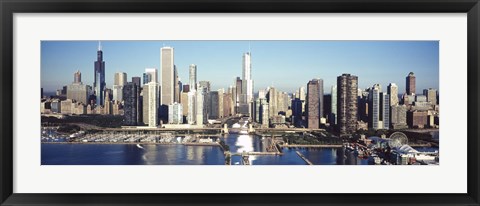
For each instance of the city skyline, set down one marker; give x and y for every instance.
(361, 124)
(270, 64)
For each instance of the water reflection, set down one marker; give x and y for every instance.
(244, 143)
(131, 154)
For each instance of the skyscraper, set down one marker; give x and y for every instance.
(153, 103)
(176, 86)
(99, 76)
(320, 96)
(137, 81)
(410, 84)
(168, 79)
(192, 114)
(302, 96)
(386, 110)
(152, 75)
(297, 112)
(283, 102)
(130, 104)
(185, 103)
(392, 91)
(175, 113)
(334, 105)
(272, 102)
(204, 88)
(185, 88)
(237, 94)
(213, 105)
(347, 92)
(108, 110)
(374, 113)
(220, 103)
(146, 78)
(200, 106)
(399, 117)
(265, 114)
(227, 104)
(247, 82)
(145, 106)
(120, 79)
(431, 95)
(77, 90)
(205, 85)
(313, 104)
(193, 76)
(77, 77)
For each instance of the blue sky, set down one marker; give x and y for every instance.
(287, 65)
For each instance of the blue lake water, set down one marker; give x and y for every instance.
(149, 154)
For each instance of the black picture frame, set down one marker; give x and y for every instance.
(10, 7)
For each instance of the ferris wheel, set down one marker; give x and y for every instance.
(397, 139)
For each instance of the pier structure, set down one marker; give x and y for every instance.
(304, 158)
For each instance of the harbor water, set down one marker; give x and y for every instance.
(178, 154)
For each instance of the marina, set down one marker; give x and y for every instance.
(239, 148)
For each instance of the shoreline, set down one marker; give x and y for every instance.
(141, 143)
(311, 146)
(191, 144)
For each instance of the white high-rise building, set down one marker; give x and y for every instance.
(192, 114)
(334, 103)
(168, 79)
(247, 89)
(117, 93)
(193, 77)
(301, 94)
(262, 94)
(120, 79)
(152, 104)
(392, 91)
(374, 104)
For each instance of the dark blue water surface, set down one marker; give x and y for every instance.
(131, 154)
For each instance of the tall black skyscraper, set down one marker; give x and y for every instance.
(99, 74)
(410, 84)
(130, 98)
(137, 81)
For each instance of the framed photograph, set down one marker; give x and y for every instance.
(243, 103)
